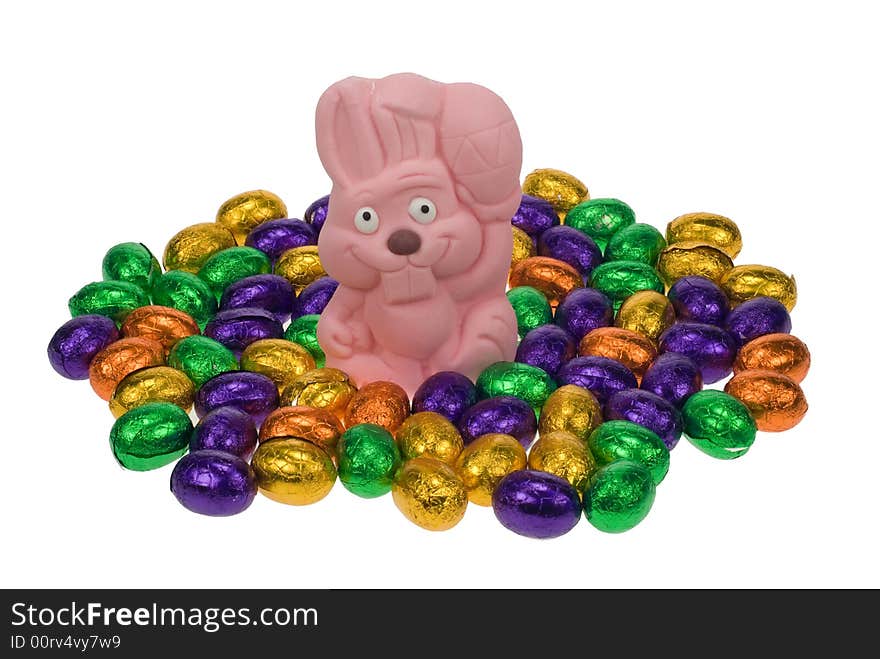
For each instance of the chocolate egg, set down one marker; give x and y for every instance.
(201, 358)
(150, 436)
(699, 300)
(716, 230)
(164, 325)
(277, 359)
(368, 460)
(711, 348)
(562, 454)
(620, 496)
(485, 461)
(514, 379)
(293, 471)
(745, 282)
(381, 403)
(113, 363)
(775, 401)
(570, 246)
(428, 434)
(275, 237)
(600, 219)
(227, 429)
(213, 483)
(636, 242)
(447, 393)
(325, 388)
(185, 291)
(647, 312)
(252, 393)
(114, 299)
(268, 292)
(313, 299)
(560, 189)
(547, 347)
(315, 425)
(304, 331)
(757, 317)
(531, 308)
(782, 353)
(503, 415)
(534, 216)
(687, 259)
(601, 375)
(646, 409)
(231, 264)
(243, 212)
(583, 310)
(554, 278)
(620, 279)
(131, 262)
(189, 248)
(74, 344)
(633, 350)
(238, 328)
(570, 409)
(523, 246)
(536, 504)
(316, 213)
(624, 440)
(429, 494)
(673, 377)
(718, 424)
(300, 266)
(152, 385)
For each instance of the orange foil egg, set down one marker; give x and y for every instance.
(554, 278)
(164, 325)
(776, 401)
(110, 366)
(633, 350)
(782, 353)
(317, 426)
(382, 403)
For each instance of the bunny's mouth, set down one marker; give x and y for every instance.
(409, 278)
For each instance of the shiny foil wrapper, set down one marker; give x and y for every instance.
(185, 291)
(711, 348)
(647, 312)
(189, 248)
(429, 494)
(277, 359)
(775, 401)
(619, 497)
(505, 415)
(782, 353)
(150, 436)
(268, 292)
(673, 377)
(114, 299)
(252, 393)
(201, 358)
(716, 230)
(583, 310)
(625, 440)
(570, 246)
(530, 307)
(536, 504)
(600, 219)
(238, 328)
(381, 403)
(447, 393)
(324, 388)
(77, 342)
(633, 350)
(110, 366)
(164, 325)
(300, 266)
(547, 347)
(275, 237)
(718, 424)
(562, 190)
(304, 331)
(689, 258)
(529, 383)
(564, 455)
(620, 279)
(636, 242)
(484, 462)
(600, 375)
(131, 262)
(745, 282)
(523, 246)
(534, 216)
(226, 429)
(241, 213)
(368, 460)
(316, 213)
(757, 317)
(293, 471)
(554, 278)
(646, 409)
(232, 264)
(151, 385)
(431, 435)
(315, 425)
(315, 297)
(213, 483)
(699, 300)
(571, 409)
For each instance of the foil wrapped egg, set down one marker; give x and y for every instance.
(368, 460)
(600, 375)
(324, 388)
(77, 342)
(268, 292)
(745, 282)
(529, 383)
(226, 429)
(560, 189)
(534, 216)
(110, 366)
(381, 403)
(523, 246)
(571, 246)
(600, 219)
(131, 262)
(564, 455)
(709, 228)
(690, 258)
(698, 300)
(624, 440)
(633, 350)
(238, 328)
(620, 279)
(231, 264)
(673, 377)
(429, 494)
(164, 325)
(315, 297)
(275, 237)
(428, 434)
(277, 359)
(531, 308)
(757, 317)
(711, 348)
(252, 393)
(547, 347)
(315, 425)
(243, 212)
(636, 242)
(554, 278)
(447, 393)
(646, 409)
(782, 353)
(316, 213)
(536, 504)
(620, 496)
(504, 415)
(647, 312)
(152, 385)
(300, 266)
(775, 401)
(304, 331)
(293, 471)
(150, 436)
(213, 483)
(189, 248)
(114, 299)
(201, 358)
(718, 424)
(583, 310)
(185, 291)
(485, 461)
(570, 409)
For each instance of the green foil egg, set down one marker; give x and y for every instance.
(231, 264)
(600, 219)
(368, 459)
(131, 262)
(531, 308)
(620, 279)
(115, 299)
(624, 440)
(150, 436)
(304, 331)
(619, 496)
(183, 290)
(718, 424)
(524, 381)
(637, 242)
(201, 358)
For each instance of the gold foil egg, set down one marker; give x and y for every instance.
(745, 282)
(189, 248)
(716, 230)
(163, 325)
(381, 403)
(633, 350)
(523, 247)
(430, 494)
(561, 189)
(647, 312)
(572, 409)
(293, 471)
(108, 368)
(317, 426)
(244, 211)
(775, 401)
(325, 388)
(554, 278)
(151, 385)
(300, 266)
(278, 359)
(429, 434)
(692, 258)
(782, 353)
(564, 455)
(485, 461)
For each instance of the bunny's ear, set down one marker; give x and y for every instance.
(347, 142)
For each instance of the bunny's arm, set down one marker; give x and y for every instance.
(491, 268)
(341, 328)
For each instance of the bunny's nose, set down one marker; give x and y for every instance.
(404, 242)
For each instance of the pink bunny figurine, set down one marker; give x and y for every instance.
(425, 181)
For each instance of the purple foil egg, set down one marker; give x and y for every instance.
(314, 297)
(213, 483)
(74, 345)
(503, 414)
(548, 347)
(601, 375)
(711, 348)
(647, 410)
(536, 504)
(673, 377)
(583, 310)
(268, 292)
(572, 246)
(238, 328)
(316, 213)
(534, 216)
(757, 317)
(252, 393)
(447, 393)
(699, 300)
(275, 237)
(226, 429)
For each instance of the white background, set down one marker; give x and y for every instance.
(125, 124)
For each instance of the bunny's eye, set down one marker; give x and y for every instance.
(366, 220)
(422, 210)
